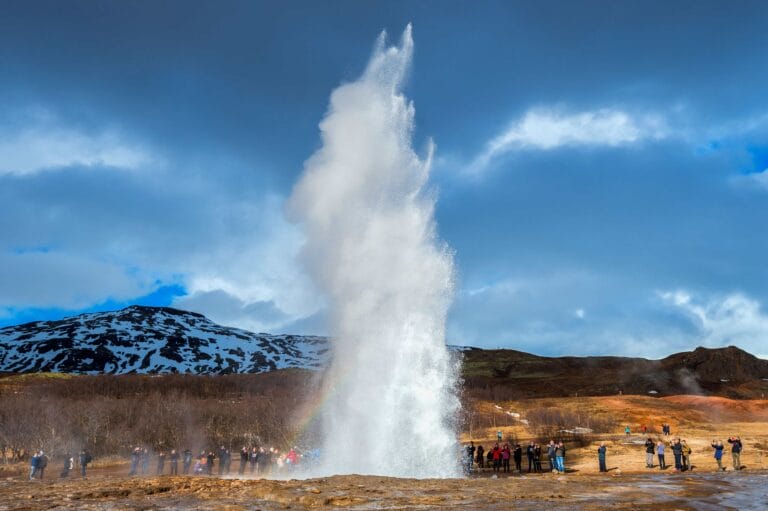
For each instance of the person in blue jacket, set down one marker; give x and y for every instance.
(34, 464)
(718, 447)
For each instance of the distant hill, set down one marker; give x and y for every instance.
(728, 372)
(151, 340)
(154, 340)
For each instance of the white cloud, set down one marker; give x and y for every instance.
(733, 319)
(226, 309)
(41, 143)
(250, 266)
(65, 280)
(546, 129)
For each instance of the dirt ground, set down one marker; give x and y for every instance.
(706, 491)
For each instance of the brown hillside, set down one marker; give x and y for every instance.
(508, 374)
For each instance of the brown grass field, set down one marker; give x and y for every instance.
(697, 419)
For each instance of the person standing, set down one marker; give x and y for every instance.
(517, 454)
(69, 464)
(687, 456)
(243, 460)
(222, 460)
(253, 459)
(537, 458)
(718, 447)
(736, 448)
(174, 458)
(42, 464)
(34, 463)
(601, 457)
(187, 461)
(265, 461)
(649, 445)
(551, 455)
(480, 456)
(660, 453)
(209, 462)
(135, 459)
(160, 462)
(560, 457)
(505, 455)
(529, 455)
(677, 452)
(145, 461)
(84, 459)
(627, 431)
(496, 457)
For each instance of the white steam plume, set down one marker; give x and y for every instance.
(372, 248)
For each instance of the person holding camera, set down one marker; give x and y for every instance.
(736, 448)
(718, 447)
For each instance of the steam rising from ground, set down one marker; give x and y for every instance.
(372, 248)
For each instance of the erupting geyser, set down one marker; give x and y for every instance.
(372, 248)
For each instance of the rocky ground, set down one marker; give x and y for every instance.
(705, 491)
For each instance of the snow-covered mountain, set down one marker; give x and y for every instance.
(141, 339)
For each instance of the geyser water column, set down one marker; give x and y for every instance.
(372, 247)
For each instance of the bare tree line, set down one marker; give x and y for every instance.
(107, 415)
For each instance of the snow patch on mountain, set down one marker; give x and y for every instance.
(142, 339)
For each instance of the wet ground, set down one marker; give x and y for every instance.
(747, 490)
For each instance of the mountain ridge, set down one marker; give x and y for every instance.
(157, 340)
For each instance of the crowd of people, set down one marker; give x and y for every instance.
(261, 461)
(498, 458)
(39, 461)
(257, 461)
(681, 453)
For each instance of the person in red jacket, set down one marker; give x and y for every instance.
(496, 457)
(292, 457)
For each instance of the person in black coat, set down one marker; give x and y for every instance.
(243, 460)
(480, 457)
(736, 448)
(68, 465)
(222, 460)
(517, 455)
(41, 464)
(84, 459)
(529, 452)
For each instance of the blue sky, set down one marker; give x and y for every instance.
(602, 167)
